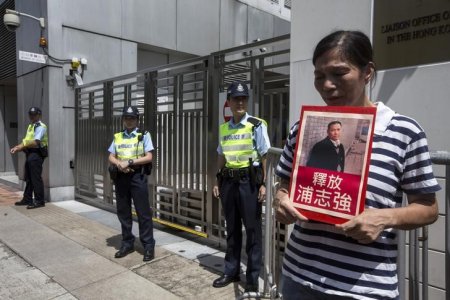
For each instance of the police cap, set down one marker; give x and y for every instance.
(34, 111)
(130, 111)
(237, 88)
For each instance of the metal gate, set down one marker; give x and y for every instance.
(179, 104)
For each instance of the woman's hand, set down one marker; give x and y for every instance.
(285, 212)
(366, 227)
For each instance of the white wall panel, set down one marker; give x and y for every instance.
(421, 92)
(313, 19)
(150, 22)
(198, 26)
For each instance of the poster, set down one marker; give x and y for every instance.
(331, 162)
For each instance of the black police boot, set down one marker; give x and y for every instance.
(149, 254)
(124, 251)
(225, 280)
(23, 202)
(36, 205)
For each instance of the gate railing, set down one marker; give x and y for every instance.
(179, 106)
(418, 283)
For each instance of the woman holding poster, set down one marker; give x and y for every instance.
(357, 259)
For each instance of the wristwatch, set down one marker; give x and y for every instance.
(130, 162)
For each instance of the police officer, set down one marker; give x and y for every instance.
(131, 153)
(243, 143)
(35, 147)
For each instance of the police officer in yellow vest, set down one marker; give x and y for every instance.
(243, 143)
(35, 146)
(131, 152)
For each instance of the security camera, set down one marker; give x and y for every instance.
(11, 21)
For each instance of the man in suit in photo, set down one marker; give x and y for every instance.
(328, 153)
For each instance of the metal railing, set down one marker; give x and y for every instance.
(180, 105)
(418, 288)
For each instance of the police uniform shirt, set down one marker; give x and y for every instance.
(39, 131)
(147, 141)
(261, 138)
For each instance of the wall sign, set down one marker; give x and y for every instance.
(411, 32)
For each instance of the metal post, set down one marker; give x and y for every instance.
(413, 266)
(447, 228)
(424, 240)
(401, 262)
(267, 276)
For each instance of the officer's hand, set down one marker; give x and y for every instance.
(122, 166)
(285, 212)
(15, 149)
(262, 193)
(216, 192)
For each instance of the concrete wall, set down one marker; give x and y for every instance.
(420, 92)
(8, 125)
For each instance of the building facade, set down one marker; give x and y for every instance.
(115, 37)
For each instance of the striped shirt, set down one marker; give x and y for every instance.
(318, 256)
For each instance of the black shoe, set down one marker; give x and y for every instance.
(249, 288)
(36, 205)
(23, 202)
(225, 280)
(149, 254)
(124, 251)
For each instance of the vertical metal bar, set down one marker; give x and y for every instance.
(211, 129)
(447, 229)
(107, 135)
(150, 123)
(424, 262)
(401, 263)
(413, 266)
(268, 226)
(176, 144)
(91, 145)
(401, 258)
(204, 149)
(77, 142)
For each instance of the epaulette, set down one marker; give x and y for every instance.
(256, 122)
(141, 135)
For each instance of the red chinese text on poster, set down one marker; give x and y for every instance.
(331, 162)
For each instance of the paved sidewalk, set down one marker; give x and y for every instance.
(65, 250)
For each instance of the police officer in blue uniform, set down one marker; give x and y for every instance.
(131, 153)
(35, 147)
(243, 143)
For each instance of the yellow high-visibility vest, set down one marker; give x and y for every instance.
(128, 148)
(237, 143)
(29, 137)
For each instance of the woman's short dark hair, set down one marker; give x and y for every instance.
(354, 46)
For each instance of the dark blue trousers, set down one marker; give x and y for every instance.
(134, 186)
(33, 178)
(241, 206)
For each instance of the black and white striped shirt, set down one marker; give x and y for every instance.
(320, 257)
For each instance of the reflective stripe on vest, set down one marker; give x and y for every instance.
(128, 148)
(237, 145)
(29, 137)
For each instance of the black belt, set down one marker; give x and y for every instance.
(136, 169)
(235, 173)
(32, 150)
